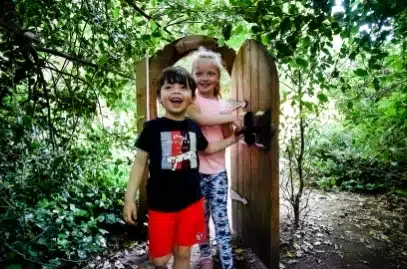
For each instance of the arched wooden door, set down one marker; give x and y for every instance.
(255, 172)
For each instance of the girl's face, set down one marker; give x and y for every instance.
(206, 75)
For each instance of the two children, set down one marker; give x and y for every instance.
(179, 180)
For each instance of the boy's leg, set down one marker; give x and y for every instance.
(161, 232)
(204, 247)
(219, 211)
(182, 257)
(190, 231)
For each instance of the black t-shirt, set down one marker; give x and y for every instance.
(172, 146)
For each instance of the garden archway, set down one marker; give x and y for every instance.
(257, 222)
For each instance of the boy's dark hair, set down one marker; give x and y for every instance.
(176, 74)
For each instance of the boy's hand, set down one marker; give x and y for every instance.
(130, 212)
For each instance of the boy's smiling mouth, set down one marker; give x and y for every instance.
(176, 100)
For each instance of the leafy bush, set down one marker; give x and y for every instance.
(335, 161)
(55, 206)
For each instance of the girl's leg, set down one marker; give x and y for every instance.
(219, 211)
(204, 247)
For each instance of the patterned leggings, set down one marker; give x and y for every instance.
(215, 191)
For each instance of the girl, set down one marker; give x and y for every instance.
(206, 111)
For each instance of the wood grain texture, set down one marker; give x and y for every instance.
(141, 106)
(255, 172)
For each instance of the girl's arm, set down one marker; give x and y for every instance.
(227, 130)
(217, 146)
(195, 114)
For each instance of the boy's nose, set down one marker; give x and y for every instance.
(177, 89)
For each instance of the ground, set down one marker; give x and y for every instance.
(345, 230)
(342, 230)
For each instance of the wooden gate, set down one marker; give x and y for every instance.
(254, 173)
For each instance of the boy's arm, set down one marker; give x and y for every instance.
(195, 114)
(136, 176)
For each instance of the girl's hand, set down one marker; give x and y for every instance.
(130, 212)
(237, 123)
(237, 136)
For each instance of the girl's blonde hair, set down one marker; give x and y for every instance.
(204, 53)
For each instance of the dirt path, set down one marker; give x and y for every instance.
(348, 231)
(342, 231)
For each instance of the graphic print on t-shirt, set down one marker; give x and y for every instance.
(178, 150)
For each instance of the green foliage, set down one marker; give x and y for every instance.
(56, 204)
(67, 103)
(335, 161)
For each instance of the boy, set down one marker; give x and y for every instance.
(170, 144)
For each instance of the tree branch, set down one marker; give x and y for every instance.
(78, 60)
(148, 17)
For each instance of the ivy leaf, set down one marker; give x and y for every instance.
(256, 29)
(306, 41)
(322, 97)
(116, 13)
(376, 84)
(301, 62)
(293, 9)
(285, 25)
(309, 105)
(361, 72)
(226, 31)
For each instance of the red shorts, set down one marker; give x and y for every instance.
(182, 228)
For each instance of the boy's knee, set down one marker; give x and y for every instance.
(182, 251)
(161, 261)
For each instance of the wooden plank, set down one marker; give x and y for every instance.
(239, 207)
(265, 169)
(255, 158)
(275, 173)
(141, 109)
(155, 68)
(234, 175)
(246, 153)
(256, 79)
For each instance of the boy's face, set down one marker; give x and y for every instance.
(175, 98)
